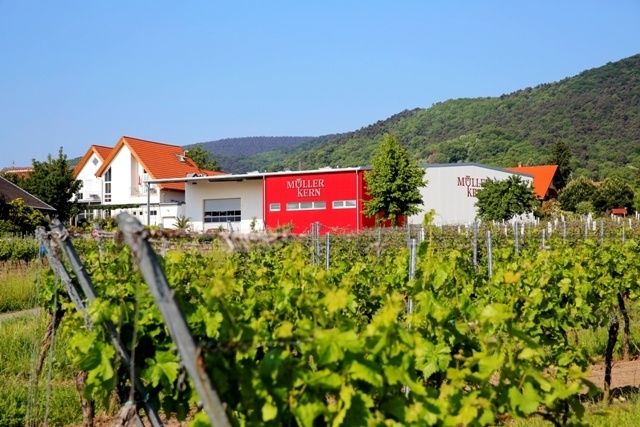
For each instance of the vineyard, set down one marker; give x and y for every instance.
(466, 326)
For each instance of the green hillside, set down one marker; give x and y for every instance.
(597, 113)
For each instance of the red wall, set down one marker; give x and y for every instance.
(317, 187)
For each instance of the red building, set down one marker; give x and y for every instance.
(277, 200)
(332, 197)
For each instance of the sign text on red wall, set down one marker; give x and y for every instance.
(306, 187)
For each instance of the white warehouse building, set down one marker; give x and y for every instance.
(451, 191)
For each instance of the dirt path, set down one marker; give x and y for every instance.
(23, 313)
(623, 374)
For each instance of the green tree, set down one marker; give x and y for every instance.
(614, 192)
(53, 182)
(561, 156)
(578, 190)
(503, 199)
(22, 218)
(202, 158)
(393, 182)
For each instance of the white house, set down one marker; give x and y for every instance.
(120, 179)
(451, 191)
(85, 171)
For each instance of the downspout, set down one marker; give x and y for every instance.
(357, 203)
(264, 203)
(148, 204)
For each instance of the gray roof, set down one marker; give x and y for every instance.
(9, 192)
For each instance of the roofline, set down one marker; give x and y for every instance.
(48, 208)
(495, 168)
(153, 142)
(253, 175)
(87, 155)
(122, 142)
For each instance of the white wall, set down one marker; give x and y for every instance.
(91, 184)
(450, 191)
(164, 215)
(251, 199)
(125, 188)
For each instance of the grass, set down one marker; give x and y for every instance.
(18, 286)
(623, 412)
(594, 342)
(19, 345)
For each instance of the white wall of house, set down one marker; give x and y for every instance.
(91, 185)
(128, 187)
(249, 193)
(127, 177)
(451, 188)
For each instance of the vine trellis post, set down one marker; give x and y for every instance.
(136, 237)
(60, 237)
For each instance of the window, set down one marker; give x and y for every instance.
(154, 213)
(107, 185)
(274, 207)
(95, 162)
(344, 204)
(222, 210)
(301, 206)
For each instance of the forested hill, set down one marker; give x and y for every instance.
(597, 113)
(232, 153)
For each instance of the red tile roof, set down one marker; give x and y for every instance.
(618, 211)
(100, 150)
(23, 171)
(542, 177)
(159, 160)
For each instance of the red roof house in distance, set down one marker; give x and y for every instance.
(133, 161)
(543, 178)
(21, 171)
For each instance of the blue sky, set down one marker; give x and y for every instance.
(75, 73)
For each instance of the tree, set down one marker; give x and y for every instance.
(20, 218)
(53, 182)
(202, 158)
(393, 182)
(502, 200)
(578, 190)
(561, 156)
(614, 192)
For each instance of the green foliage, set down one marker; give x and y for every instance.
(287, 342)
(561, 156)
(18, 249)
(585, 208)
(202, 158)
(613, 192)
(393, 183)
(580, 189)
(17, 217)
(52, 181)
(503, 199)
(182, 222)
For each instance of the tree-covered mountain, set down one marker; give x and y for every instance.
(235, 154)
(597, 114)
